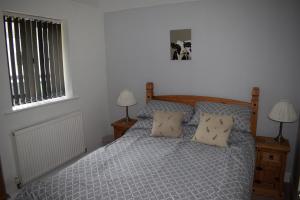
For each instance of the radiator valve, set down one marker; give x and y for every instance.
(18, 182)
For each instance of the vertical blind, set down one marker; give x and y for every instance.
(35, 61)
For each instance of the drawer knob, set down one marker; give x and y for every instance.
(271, 157)
(257, 181)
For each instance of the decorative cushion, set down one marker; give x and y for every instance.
(213, 129)
(241, 114)
(156, 105)
(167, 124)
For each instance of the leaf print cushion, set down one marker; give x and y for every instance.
(167, 124)
(214, 129)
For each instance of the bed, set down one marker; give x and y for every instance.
(137, 166)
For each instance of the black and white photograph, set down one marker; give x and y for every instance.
(181, 44)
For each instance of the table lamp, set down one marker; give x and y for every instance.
(282, 112)
(126, 99)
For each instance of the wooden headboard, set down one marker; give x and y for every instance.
(192, 99)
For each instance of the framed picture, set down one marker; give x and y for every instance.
(181, 44)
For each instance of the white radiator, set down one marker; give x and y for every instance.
(45, 146)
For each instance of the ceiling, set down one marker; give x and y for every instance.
(116, 5)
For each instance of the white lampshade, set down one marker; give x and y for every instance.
(283, 111)
(126, 98)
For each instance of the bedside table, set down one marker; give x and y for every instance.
(270, 167)
(3, 195)
(121, 126)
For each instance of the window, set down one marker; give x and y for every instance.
(35, 59)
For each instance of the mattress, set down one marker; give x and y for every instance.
(137, 166)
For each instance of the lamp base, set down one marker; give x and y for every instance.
(128, 119)
(279, 138)
(127, 116)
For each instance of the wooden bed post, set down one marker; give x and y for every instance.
(149, 91)
(254, 105)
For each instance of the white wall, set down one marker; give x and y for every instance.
(115, 5)
(237, 44)
(87, 70)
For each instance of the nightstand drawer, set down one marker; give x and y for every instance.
(266, 176)
(270, 158)
(267, 180)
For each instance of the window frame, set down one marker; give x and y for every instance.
(68, 95)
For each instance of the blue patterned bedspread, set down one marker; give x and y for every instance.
(137, 166)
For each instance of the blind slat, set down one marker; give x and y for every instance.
(36, 61)
(19, 61)
(52, 62)
(46, 57)
(8, 58)
(55, 59)
(13, 76)
(30, 61)
(42, 63)
(24, 60)
(60, 60)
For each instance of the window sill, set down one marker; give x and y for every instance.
(40, 104)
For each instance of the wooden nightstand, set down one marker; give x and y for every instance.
(121, 126)
(270, 167)
(3, 195)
